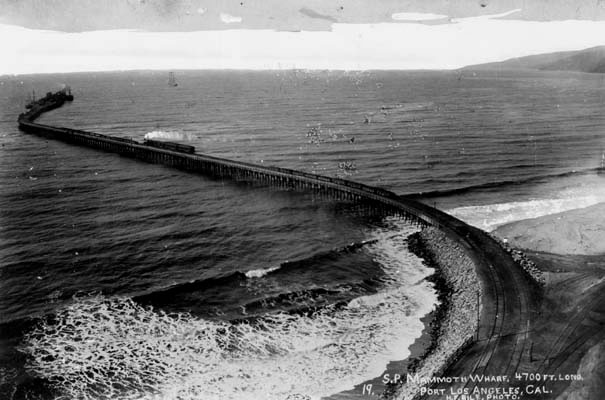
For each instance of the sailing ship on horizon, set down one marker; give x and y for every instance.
(172, 80)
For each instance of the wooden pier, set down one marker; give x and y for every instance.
(503, 282)
(388, 203)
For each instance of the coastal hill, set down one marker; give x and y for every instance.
(587, 60)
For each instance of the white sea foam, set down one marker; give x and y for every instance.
(173, 135)
(114, 348)
(259, 273)
(580, 193)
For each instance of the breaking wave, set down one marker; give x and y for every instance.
(259, 273)
(101, 347)
(498, 184)
(581, 193)
(172, 135)
(489, 217)
(289, 279)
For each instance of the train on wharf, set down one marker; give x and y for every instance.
(182, 148)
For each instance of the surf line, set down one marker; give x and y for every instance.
(493, 266)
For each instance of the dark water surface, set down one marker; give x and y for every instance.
(120, 279)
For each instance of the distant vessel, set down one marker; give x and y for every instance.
(31, 100)
(172, 80)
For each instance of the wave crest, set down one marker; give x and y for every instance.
(259, 273)
(551, 199)
(115, 348)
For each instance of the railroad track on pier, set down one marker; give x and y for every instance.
(507, 301)
(505, 320)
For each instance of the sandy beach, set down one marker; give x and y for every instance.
(445, 332)
(568, 248)
(564, 252)
(580, 231)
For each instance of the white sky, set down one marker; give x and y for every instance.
(405, 16)
(389, 45)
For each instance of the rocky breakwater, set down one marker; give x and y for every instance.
(523, 261)
(455, 319)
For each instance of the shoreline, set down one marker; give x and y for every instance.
(444, 293)
(566, 249)
(423, 345)
(564, 266)
(418, 349)
(459, 267)
(575, 232)
(443, 337)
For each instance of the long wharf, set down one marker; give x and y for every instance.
(507, 293)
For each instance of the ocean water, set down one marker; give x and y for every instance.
(120, 279)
